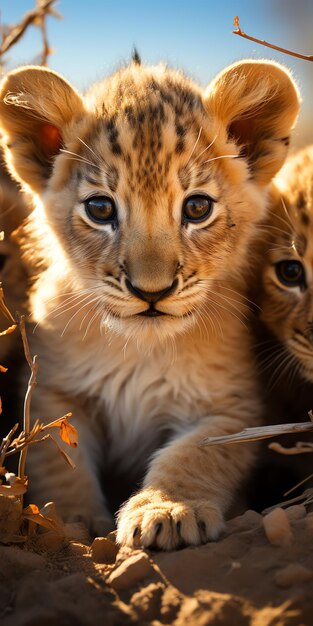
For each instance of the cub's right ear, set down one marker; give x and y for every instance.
(36, 108)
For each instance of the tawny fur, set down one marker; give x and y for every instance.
(287, 310)
(146, 391)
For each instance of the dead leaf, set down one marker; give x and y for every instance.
(32, 514)
(69, 434)
(9, 330)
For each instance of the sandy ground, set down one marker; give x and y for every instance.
(258, 573)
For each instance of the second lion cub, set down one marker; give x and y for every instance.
(147, 192)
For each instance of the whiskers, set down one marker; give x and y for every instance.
(277, 364)
(75, 301)
(218, 301)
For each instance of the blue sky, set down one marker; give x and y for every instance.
(95, 36)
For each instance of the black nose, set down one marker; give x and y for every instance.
(151, 296)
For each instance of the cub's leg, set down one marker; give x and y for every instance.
(77, 493)
(187, 490)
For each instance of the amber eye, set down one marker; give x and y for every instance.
(290, 273)
(197, 208)
(101, 209)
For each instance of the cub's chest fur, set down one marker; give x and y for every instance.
(138, 394)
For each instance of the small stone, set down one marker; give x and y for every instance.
(277, 528)
(103, 550)
(293, 574)
(130, 572)
(112, 536)
(77, 548)
(297, 511)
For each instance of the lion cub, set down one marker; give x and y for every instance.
(147, 193)
(286, 268)
(283, 289)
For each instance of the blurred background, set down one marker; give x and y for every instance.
(96, 36)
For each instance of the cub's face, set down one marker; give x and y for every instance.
(287, 280)
(155, 187)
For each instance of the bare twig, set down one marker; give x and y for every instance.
(241, 33)
(299, 448)
(304, 498)
(35, 17)
(305, 480)
(30, 389)
(262, 432)
(6, 441)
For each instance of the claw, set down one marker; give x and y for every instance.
(202, 526)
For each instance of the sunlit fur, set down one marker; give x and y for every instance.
(286, 310)
(145, 391)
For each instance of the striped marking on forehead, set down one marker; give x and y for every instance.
(110, 176)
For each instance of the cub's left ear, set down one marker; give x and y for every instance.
(256, 104)
(37, 106)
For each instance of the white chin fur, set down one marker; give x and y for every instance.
(147, 331)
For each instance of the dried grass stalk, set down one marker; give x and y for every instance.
(35, 17)
(261, 432)
(241, 33)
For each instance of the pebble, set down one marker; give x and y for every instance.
(103, 550)
(277, 528)
(293, 574)
(78, 549)
(297, 511)
(131, 571)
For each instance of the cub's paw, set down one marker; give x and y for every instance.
(153, 519)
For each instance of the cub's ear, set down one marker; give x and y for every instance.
(36, 107)
(256, 104)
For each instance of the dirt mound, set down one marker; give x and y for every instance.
(253, 575)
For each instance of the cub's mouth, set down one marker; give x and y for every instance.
(152, 312)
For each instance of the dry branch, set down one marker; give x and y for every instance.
(36, 17)
(241, 33)
(262, 432)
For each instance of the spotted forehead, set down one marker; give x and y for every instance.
(145, 122)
